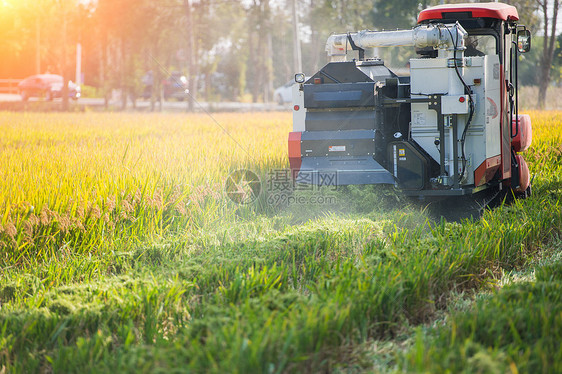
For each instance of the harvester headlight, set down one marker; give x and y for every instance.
(300, 78)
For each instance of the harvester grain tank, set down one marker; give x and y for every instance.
(450, 128)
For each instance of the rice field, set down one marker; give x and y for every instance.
(86, 181)
(121, 251)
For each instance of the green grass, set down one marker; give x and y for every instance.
(518, 329)
(278, 289)
(291, 300)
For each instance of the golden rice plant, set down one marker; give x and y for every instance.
(78, 180)
(545, 153)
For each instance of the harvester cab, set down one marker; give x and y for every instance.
(450, 128)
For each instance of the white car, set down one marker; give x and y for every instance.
(284, 93)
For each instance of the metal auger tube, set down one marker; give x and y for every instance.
(422, 36)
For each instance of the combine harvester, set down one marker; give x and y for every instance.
(451, 129)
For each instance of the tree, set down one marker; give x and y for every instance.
(397, 14)
(329, 16)
(58, 29)
(15, 34)
(65, 11)
(260, 49)
(130, 46)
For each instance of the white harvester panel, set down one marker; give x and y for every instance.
(299, 112)
(454, 104)
(433, 76)
(492, 111)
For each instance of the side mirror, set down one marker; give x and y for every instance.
(523, 41)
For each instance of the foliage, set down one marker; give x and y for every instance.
(238, 48)
(401, 14)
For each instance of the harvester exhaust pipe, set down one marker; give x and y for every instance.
(437, 36)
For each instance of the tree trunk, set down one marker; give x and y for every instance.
(122, 75)
(268, 95)
(317, 52)
(243, 67)
(104, 69)
(153, 68)
(267, 52)
(252, 53)
(156, 90)
(190, 48)
(260, 66)
(101, 54)
(548, 49)
(207, 86)
(64, 61)
(297, 57)
(264, 62)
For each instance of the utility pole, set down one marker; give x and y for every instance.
(297, 59)
(64, 59)
(190, 55)
(78, 77)
(37, 46)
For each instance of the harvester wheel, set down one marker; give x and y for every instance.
(525, 194)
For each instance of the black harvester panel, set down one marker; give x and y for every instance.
(334, 120)
(341, 157)
(408, 165)
(343, 97)
(341, 117)
(338, 143)
(347, 72)
(344, 170)
(339, 95)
